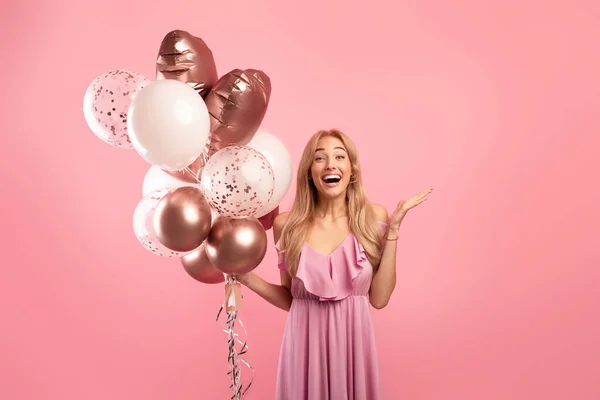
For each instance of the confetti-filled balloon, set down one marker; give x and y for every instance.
(237, 181)
(143, 218)
(106, 104)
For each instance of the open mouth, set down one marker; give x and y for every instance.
(331, 180)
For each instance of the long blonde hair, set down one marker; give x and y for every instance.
(362, 219)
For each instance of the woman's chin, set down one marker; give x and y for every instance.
(332, 192)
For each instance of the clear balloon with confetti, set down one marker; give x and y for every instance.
(237, 181)
(106, 105)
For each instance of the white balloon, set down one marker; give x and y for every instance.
(281, 163)
(156, 179)
(168, 124)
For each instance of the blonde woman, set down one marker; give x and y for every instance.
(337, 255)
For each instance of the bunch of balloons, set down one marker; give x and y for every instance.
(215, 179)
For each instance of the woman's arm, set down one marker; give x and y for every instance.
(384, 281)
(278, 295)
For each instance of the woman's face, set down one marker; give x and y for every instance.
(331, 168)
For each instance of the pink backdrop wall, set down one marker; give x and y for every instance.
(495, 106)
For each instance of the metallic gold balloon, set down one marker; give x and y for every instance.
(237, 105)
(268, 219)
(236, 245)
(199, 267)
(182, 219)
(188, 59)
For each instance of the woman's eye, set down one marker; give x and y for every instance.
(340, 157)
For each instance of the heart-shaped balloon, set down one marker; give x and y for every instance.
(186, 58)
(237, 105)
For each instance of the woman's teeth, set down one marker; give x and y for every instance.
(331, 179)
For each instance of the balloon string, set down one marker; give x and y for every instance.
(235, 357)
(193, 175)
(208, 151)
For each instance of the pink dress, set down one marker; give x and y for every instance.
(328, 349)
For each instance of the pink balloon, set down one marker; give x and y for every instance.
(106, 104)
(267, 220)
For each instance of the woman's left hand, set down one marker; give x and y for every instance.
(404, 206)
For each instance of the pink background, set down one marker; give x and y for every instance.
(495, 106)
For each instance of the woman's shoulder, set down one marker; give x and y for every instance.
(281, 219)
(380, 212)
(279, 223)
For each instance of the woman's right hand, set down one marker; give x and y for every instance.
(277, 295)
(243, 278)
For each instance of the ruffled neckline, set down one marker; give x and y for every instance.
(330, 277)
(308, 245)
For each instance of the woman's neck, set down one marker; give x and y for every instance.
(331, 209)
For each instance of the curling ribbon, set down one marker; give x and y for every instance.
(232, 305)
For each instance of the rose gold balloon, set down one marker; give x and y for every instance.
(188, 59)
(236, 245)
(182, 219)
(237, 105)
(199, 267)
(268, 219)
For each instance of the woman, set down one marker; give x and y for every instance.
(337, 254)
